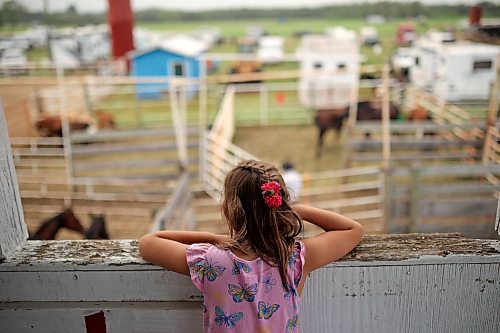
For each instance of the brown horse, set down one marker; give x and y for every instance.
(105, 120)
(51, 126)
(97, 229)
(334, 118)
(419, 113)
(50, 227)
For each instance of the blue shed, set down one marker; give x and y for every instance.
(177, 56)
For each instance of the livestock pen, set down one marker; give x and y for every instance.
(147, 162)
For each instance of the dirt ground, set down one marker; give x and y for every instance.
(15, 102)
(293, 143)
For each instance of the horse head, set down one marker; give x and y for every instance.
(70, 221)
(49, 228)
(105, 120)
(97, 229)
(49, 126)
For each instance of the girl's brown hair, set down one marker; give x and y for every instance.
(253, 226)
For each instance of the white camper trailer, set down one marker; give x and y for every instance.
(422, 71)
(424, 52)
(270, 49)
(329, 67)
(465, 72)
(454, 71)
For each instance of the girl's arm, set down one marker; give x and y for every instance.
(167, 248)
(341, 236)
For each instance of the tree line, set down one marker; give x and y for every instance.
(13, 13)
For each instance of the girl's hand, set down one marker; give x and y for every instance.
(341, 236)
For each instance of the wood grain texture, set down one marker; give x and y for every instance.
(13, 229)
(390, 283)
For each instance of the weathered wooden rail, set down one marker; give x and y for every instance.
(391, 283)
(426, 141)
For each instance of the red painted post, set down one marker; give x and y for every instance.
(121, 23)
(95, 323)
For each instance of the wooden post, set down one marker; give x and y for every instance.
(493, 104)
(87, 97)
(497, 218)
(493, 108)
(13, 229)
(351, 122)
(386, 135)
(415, 179)
(387, 192)
(264, 103)
(177, 119)
(66, 131)
(202, 117)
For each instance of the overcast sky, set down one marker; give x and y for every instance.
(193, 5)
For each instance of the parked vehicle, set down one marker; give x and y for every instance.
(13, 61)
(405, 35)
(270, 49)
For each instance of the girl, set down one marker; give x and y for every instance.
(251, 280)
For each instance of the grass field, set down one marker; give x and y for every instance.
(287, 28)
(235, 28)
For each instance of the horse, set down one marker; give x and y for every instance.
(325, 119)
(419, 113)
(105, 120)
(50, 227)
(51, 126)
(97, 228)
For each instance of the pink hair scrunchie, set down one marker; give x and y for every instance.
(271, 194)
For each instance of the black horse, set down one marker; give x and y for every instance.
(335, 118)
(97, 228)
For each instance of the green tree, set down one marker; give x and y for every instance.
(71, 10)
(13, 12)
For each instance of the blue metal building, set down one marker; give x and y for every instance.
(177, 56)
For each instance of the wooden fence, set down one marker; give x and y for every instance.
(177, 213)
(491, 150)
(443, 198)
(219, 154)
(139, 153)
(427, 142)
(452, 135)
(123, 156)
(356, 192)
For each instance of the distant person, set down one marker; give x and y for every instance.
(293, 181)
(251, 279)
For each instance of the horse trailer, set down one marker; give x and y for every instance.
(454, 71)
(329, 66)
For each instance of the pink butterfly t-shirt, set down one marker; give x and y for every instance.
(245, 295)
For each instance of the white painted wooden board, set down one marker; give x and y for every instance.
(406, 298)
(123, 318)
(390, 283)
(13, 231)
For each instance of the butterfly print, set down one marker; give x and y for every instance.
(241, 293)
(265, 312)
(293, 258)
(268, 282)
(290, 291)
(229, 320)
(240, 266)
(203, 268)
(291, 323)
